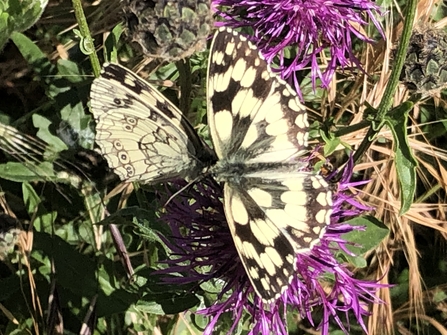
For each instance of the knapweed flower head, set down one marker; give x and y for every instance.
(311, 27)
(203, 249)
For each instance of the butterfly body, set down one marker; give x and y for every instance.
(274, 207)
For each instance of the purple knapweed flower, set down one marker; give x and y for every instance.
(311, 27)
(203, 249)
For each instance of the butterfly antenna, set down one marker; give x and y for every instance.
(192, 182)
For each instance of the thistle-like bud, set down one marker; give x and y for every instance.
(425, 68)
(169, 29)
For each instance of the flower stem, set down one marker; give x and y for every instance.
(387, 100)
(86, 37)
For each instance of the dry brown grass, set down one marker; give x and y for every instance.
(383, 192)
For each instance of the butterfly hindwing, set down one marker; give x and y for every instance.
(259, 129)
(267, 257)
(143, 136)
(272, 218)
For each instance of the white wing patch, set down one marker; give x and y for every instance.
(259, 129)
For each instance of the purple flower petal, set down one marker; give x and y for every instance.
(201, 240)
(309, 26)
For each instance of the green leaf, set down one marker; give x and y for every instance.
(331, 142)
(30, 198)
(75, 128)
(42, 219)
(31, 52)
(70, 71)
(18, 15)
(26, 12)
(406, 164)
(73, 114)
(21, 172)
(150, 307)
(375, 232)
(166, 303)
(146, 221)
(5, 28)
(78, 274)
(44, 133)
(331, 146)
(110, 45)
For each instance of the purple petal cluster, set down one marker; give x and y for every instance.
(201, 240)
(310, 27)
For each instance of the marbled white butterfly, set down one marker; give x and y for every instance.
(259, 129)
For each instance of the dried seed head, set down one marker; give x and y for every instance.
(169, 29)
(425, 69)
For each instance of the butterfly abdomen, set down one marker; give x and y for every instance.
(235, 170)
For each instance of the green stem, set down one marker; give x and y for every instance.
(352, 128)
(388, 96)
(85, 32)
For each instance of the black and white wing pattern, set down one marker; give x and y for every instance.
(143, 136)
(259, 129)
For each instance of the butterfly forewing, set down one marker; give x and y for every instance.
(143, 136)
(254, 113)
(259, 129)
